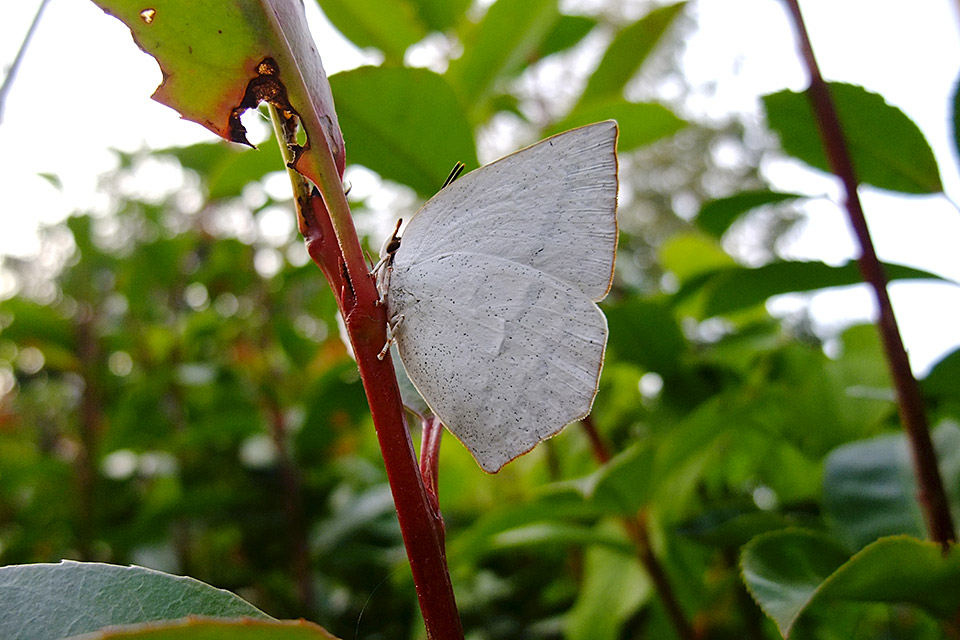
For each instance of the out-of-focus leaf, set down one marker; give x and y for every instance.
(869, 488)
(735, 526)
(206, 629)
(559, 503)
(943, 381)
(625, 484)
(390, 27)
(689, 256)
(53, 179)
(789, 572)
(612, 589)
(499, 47)
(559, 534)
(888, 149)
(52, 601)
(645, 333)
(640, 124)
(335, 404)
(227, 169)
(629, 49)
(34, 324)
(405, 124)
(440, 15)
(717, 216)
(738, 288)
(568, 31)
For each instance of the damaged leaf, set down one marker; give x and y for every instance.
(228, 57)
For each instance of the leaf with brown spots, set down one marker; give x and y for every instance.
(219, 59)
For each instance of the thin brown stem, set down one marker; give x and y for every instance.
(15, 65)
(930, 491)
(639, 531)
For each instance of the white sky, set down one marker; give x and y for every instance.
(84, 88)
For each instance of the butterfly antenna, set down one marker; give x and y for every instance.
(454, 174)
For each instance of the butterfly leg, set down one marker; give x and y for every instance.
(392, 327)
(383, 271)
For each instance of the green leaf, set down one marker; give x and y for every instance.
(210, 58)
(943, 381)
(887, 148)
(560, 534)
(440, 15)
(405, 124)
(612, 589)
(869, 488)
(206, 629)
(734, 526)
(717, 216)
(784, 569)
(566, 32)
(559, 503)
(738, 288)
(646, 333)
(693, 256)
(499, 47)
(640, 124)
(51, 601)
(627, 52)
(626, 483)
(390, 27)
(788, 572)
(228, 169)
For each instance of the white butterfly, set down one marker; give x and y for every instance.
(491, 294)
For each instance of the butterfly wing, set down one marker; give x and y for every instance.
(504, 354)
(551, 206)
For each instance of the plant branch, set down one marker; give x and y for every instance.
(638, 529)
(15, 65)
(930, 492)
(332, 242)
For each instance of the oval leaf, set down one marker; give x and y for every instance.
(869, 489)
(784, 569)
(717, 216)
(788, 572)
(887, 148)
(405, 124)
(640, 123)
(500, 46)
(390, 27)
(213, 66)
(49, 601)
(207, 629)
(738, 288)
(627, 52)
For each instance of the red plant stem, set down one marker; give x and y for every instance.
(930, 491)
(639, 531)
(365, 320)
(430, 460)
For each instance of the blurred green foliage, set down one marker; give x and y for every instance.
(178, 396)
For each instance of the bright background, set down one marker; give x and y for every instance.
(84, 88)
